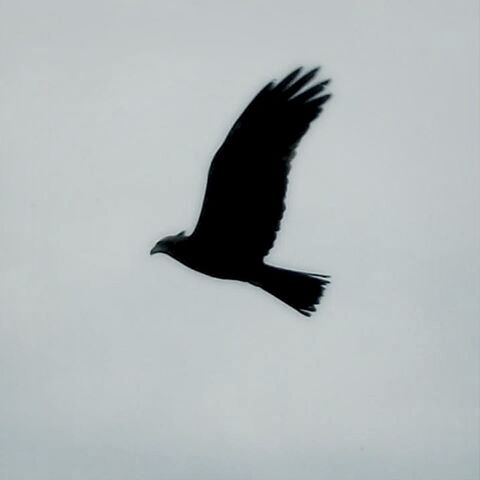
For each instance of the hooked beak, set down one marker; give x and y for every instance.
(157, 249)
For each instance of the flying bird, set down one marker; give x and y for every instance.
(245, 195)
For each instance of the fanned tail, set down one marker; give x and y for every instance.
(301, 291)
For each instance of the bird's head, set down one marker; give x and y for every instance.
(168, 244)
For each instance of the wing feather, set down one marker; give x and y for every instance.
(247, 181)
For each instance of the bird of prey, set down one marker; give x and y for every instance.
(244, 198)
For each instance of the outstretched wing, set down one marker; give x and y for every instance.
(247, 180)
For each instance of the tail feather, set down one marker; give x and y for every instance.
(301, 291)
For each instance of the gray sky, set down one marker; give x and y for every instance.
(115, 365)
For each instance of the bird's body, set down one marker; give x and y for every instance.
(244, 199)
(198, 256)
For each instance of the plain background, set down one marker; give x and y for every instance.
(116, 365)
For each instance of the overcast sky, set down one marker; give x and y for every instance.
(118, 366)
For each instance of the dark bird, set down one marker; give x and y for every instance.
(244, 199)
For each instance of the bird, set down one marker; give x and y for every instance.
(244, 199)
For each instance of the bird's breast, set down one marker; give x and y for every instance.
(215, 264)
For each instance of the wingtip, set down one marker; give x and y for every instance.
(315, 70)
(302, 81)
(288, 79)
(296, 71)
(299, 75)
(325, 98)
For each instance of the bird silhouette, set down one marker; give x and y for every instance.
(245, 194)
